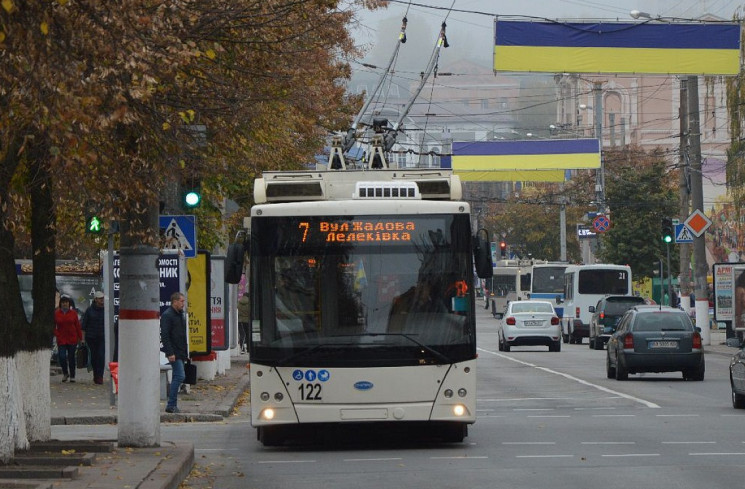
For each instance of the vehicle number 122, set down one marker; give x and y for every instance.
(310, 392)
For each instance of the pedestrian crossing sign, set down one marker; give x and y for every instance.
(179, 233)
(683, 234)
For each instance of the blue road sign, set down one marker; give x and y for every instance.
(179, 233)
(683, 234)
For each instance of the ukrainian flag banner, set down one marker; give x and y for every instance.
(650, 48)
(541, 161)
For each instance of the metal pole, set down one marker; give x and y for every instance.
(697, 202)
(669, 278)
(684, 271)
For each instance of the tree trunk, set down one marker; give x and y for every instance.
(33, 378)
(12, 428)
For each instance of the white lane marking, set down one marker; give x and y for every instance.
(608, 443)
(544, 456)
(704, 454)
(458, 457)
(528, 443)
(613, 416)
(381, 459)
(286, 462)
(688, 442)
(609, 408)
(534, 409)
(549, 416)
(649, 404)
(677, 415)
(633, 455)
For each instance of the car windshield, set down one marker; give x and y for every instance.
(662, 321)
(532, 307)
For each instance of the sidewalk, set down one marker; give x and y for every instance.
(87, 403)
(163, 467)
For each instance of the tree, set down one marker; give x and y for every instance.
(640, 191)
(99, 101)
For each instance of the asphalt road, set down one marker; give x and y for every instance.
(544, 420)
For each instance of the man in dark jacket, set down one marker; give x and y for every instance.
(173, 339)
(93, 327)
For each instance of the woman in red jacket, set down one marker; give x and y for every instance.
(68, 333)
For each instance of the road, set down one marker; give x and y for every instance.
(544, 420)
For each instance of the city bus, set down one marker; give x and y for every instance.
(547, 283)
(510, 282)
(584, 286)
(362, 301)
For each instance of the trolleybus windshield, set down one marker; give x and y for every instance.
(361, 291)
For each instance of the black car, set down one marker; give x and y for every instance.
(655, 339)
(606, 316)
(737, 378)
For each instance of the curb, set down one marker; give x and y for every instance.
(173, 469)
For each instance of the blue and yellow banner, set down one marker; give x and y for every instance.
(541, 161)
(649, 48)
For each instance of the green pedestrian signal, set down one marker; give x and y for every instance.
(93, 225)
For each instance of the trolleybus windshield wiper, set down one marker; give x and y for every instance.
(431, 350)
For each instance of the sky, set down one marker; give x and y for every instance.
(470, 25)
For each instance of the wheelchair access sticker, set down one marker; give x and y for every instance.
(309, 389)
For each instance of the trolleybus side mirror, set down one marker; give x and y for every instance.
(482, 254)
(234, 261)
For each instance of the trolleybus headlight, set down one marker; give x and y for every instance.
(278, 397)
(462, 392)
(264, 396)
(267, 414)
(448, 393)
(459, 410)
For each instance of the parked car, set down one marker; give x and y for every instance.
(531, 322)
(655, 339)
(607, 314)
(737, 378)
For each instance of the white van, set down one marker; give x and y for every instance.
(584, 286)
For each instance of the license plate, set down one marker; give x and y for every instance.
(663, 344)
(533, 323)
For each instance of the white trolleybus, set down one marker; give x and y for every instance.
(510, 282)
(584, 286)
(547, 283)
(361, 287)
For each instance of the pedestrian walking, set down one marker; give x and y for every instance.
(69, 334)
(244, 318)
(93, 327)
(174, 345)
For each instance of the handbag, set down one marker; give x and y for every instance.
(82, 356)
(190, 373)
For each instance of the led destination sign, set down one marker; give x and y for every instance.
(358, 230)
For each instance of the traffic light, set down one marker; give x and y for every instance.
(502, 249)
(93, 224)
(192, 196)
(668, 235)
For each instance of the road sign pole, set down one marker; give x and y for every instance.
(669, 278)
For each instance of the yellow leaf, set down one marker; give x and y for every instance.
(44, 28)
(8, 5)
(2, 36)
(62, 2)
(166, 126)
(211, 54)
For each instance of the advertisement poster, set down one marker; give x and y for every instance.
(723, 287)
(218, 311)
(198, 303)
